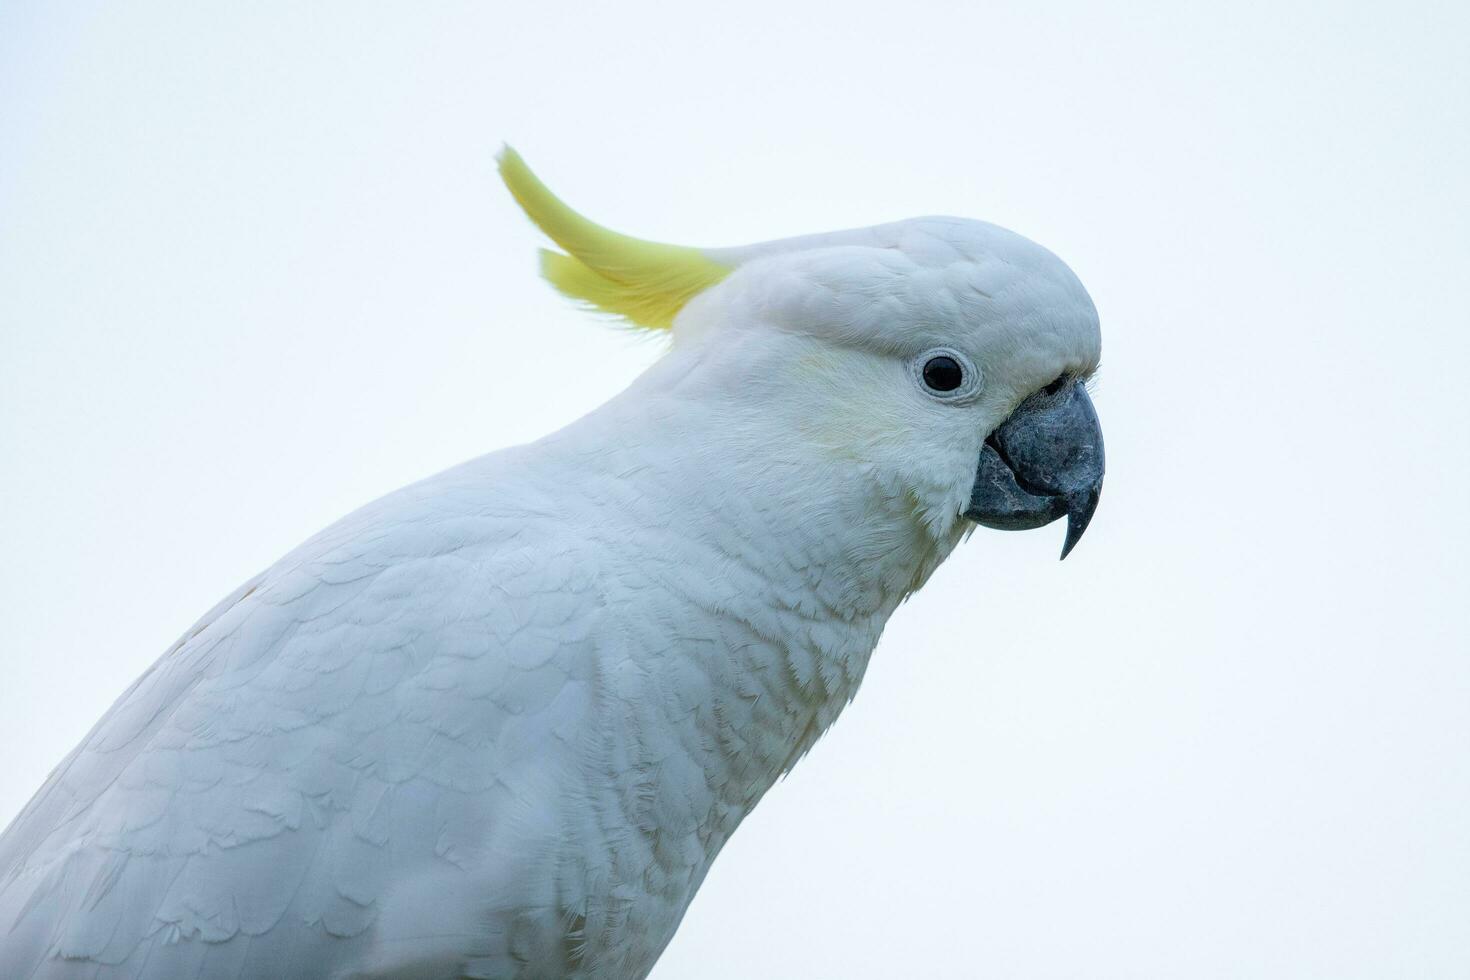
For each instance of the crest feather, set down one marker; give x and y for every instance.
(646, 283)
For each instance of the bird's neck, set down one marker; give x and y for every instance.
(775, 569)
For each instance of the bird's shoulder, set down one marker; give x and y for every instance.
(365, 699)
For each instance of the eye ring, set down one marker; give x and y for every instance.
(945, 374)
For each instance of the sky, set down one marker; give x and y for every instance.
(256, 270)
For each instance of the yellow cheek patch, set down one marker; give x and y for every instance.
(645, 283)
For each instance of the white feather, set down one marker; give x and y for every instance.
(500, 722)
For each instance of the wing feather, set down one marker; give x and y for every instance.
(318, 753)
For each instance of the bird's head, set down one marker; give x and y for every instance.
(947, 357)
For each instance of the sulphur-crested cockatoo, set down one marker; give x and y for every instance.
(500, 722)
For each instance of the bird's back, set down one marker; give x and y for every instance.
(298, 786)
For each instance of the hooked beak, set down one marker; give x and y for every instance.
(1044, 461)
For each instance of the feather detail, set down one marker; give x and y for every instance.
(645, 283)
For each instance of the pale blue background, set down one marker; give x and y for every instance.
(256, 269)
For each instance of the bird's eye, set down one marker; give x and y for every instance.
(946, 374)
(943, 373)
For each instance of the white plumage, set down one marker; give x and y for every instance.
(500, 722)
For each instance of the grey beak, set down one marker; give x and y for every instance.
(1044, 461)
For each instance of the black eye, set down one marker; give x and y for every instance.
(943, 373)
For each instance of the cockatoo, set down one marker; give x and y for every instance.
(500, 722)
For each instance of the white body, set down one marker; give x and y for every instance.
(500, 722)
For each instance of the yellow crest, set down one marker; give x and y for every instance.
(645, 283)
